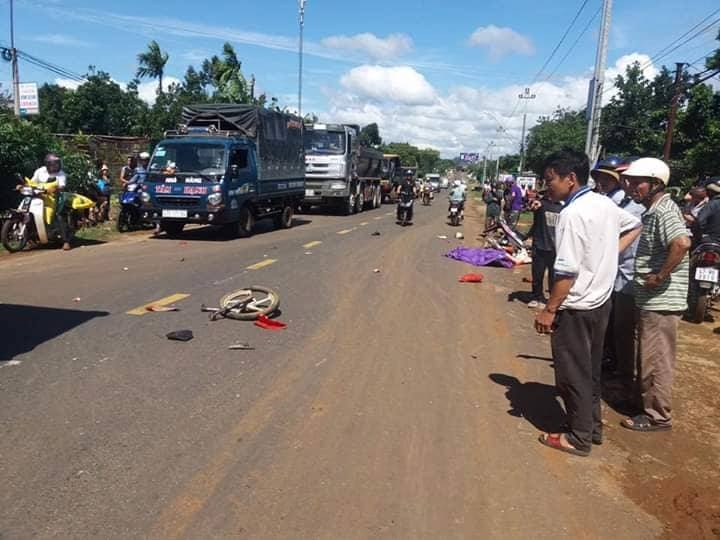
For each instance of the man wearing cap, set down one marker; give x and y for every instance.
(620, 338)
(661, 285)
(590, 233)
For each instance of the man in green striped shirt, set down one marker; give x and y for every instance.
(661, 285)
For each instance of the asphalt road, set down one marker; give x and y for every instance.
(397, 404)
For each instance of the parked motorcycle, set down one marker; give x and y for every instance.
(456, 213)
(405, 208)
(35, 221)
(131, 202)
(705, 279)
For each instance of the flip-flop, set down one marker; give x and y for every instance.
(642, 422)
(554, 441)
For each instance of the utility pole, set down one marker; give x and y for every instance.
(485, 159)
(301, 20)
(527, 96)
(673, 110)
(596, 85)
(14, 62)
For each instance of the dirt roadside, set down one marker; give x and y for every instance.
(673, 476)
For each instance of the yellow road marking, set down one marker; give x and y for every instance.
(345, 231)
(363, 223)
(261, 264)
(312, 244)
(162, 302)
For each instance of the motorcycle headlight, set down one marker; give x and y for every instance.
(26, 192)
(215, 199)
(145, 197)
(338, 185)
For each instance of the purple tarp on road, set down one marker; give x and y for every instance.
(481, 256)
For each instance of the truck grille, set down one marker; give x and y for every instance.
(167, 200)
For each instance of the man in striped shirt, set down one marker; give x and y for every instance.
(661, 285)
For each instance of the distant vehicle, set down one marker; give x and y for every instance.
(339, 172)
(444, 182)
(227, 165)
(434, 180)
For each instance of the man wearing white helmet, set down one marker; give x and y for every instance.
(661, 285)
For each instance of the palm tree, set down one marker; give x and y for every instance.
(152, 63)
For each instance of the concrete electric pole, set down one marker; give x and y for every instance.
(301, 21)
(14, 62)
(526, 96)
(596, 86)
(673, 110)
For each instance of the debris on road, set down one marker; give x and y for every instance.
(77, 299)
(308, 253)
(263, 321)
(376, 271)
(125, 269)
(180, 335)
(241, 347)
(161, 309)
(442, 236)
(471, 278)
(376, 233)
(459, 235)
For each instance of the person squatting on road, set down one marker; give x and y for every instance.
(591, 232)
(661, 284)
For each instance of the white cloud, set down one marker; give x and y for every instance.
(399, 84)
(463, 119)
(61, 40)
(501, 42)
(147, 91)
(375, 47)
(70, 84)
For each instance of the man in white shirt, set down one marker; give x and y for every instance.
(51, 172)
(591, 232)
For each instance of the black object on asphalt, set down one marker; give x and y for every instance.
(376, 233)
(180, 335)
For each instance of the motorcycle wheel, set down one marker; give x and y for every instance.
(700, 308)
(265, 301)
(454, 220)
(15, 235)
(123, 221)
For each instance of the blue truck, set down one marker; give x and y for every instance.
(227, 165)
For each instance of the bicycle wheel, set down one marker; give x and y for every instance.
(260, 301)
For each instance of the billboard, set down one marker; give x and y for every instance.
(470, 158)
(29, 102)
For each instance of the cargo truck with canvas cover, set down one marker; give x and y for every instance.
(226, 165)
(339, 171)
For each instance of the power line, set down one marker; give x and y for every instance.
(572, 47)
(662, 51)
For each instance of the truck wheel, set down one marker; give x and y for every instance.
(246, 223)
(349, 205)
(285, 220)
(172, 228)
(360, 202)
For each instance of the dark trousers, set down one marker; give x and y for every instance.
(542, 261)
(624, 320)
(577, 347)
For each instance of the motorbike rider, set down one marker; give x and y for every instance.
(142, 169)
(457, 195)
(708, 220)
(52, 171)
(128, 171)
(407, 187)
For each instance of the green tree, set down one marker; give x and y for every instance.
(151, 63)
(564, 128)
(370, 135)
(407, 152)
(225, 75)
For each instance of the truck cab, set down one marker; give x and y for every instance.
(339, 172)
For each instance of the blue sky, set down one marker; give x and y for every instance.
(443, 74)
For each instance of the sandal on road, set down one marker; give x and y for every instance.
(555, 441)
(643, 422)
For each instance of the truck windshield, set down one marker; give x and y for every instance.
(189, 158)
(324, 142)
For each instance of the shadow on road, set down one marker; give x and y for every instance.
(533, 401)
(523, 296)
(26, 327)
(212, 233)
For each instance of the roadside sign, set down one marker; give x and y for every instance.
(29, 101)
(470, 158)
